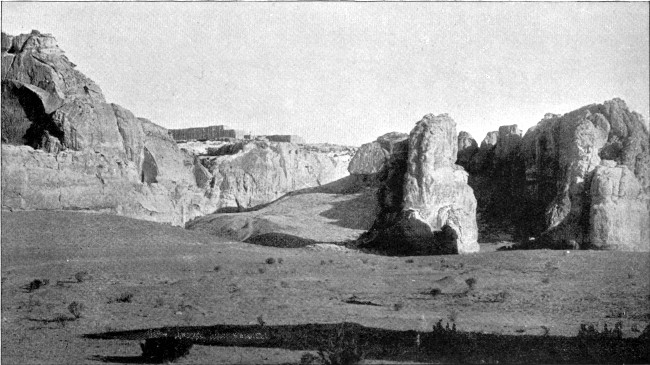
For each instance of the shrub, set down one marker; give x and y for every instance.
(75, 308)
(398, 306)
(435, 292)
(341, 350)
(217, 268)
(159, 302)
(35, 285)
(280, 260)
(126, 297)
(546, 280)
(160, 350)
(452, 316)
(322, 262)
(261, 270)
(270, 261)
(471, 283)
(81, 276)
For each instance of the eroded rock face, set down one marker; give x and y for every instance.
(85, 180)
(619, 215)
(260, 171)
(482, 159)
(425, 203)
(372, 157)
(467, 148)
(89, 155)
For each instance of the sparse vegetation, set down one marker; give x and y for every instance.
(322, 262)
(341, 349)
(35, 285)
(270, 261)
(125, 297)
(261, 270)
(160, 350)
(471, 283)
(435, 292)
(280, 260)
(398, 306)
(546, 280)
(217, 268)
(452, 316)
(82, 276)
(409, 261)
(75, 308)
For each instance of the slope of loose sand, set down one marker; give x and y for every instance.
(170, 273)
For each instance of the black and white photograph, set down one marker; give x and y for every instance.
(325, 183)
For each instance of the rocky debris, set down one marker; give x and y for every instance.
(372, 157)
(467, 148)
(619, 217)
(425, 204)
(252, 173)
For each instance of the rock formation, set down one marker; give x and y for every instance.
(550, 183)
(560, 160)
(372, 157)
(425, 204)
(482, 159)
(251, 173)
(83, 153)
(467, 148)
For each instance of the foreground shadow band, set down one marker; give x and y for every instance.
(439, 345)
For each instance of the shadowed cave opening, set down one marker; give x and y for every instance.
(149, 172)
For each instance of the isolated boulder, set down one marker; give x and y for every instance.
(620, 210)
(370, 158)
(425, 204)
(467, 148)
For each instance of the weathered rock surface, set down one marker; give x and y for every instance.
(547, 186)
(336, 212)
(483, 158)
(372, 157)
(258, 172)
(86, 154)
(425, 204)
(467, 148)
(619, 215)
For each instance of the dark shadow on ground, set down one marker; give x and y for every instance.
(357, 213)
(282, 240)
(441, 345)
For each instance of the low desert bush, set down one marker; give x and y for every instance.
(280, 260)
(471, 283)
(261, 270)
(409, 261)
(398, 306)
(35, 285)
(452, 316)
(341, 349)
(162, 350)
(125, 297)
(270, 261)
(82, 276)
(75, 308)
(217, 268)
(435, 292)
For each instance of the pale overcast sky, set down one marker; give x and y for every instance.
(348, 72)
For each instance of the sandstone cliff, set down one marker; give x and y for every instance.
(81, 152)
(425, 204)
(548, 184)
(251, 173)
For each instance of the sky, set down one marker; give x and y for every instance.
(347, 73)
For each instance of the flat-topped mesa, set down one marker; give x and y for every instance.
(425, 204)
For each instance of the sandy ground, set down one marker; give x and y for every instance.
(134, 274)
